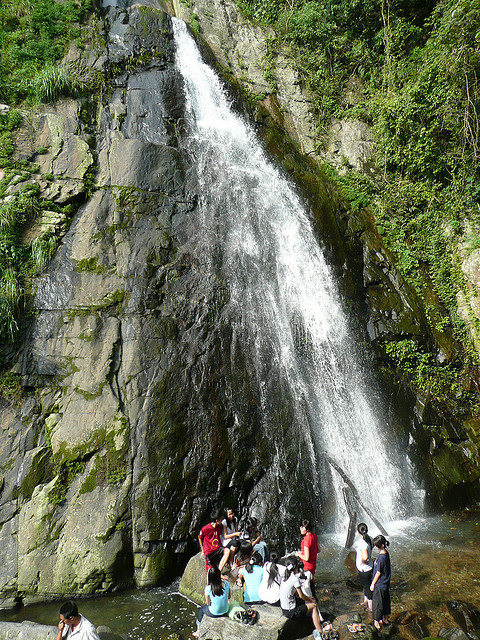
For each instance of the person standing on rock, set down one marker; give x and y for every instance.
(308, 552)
(73, 625)
(214, 554)
(364, 564)
(380, 586)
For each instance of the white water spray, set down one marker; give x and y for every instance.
(282, 293)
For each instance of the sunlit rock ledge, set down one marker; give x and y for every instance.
(32, 631)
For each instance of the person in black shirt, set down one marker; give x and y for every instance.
(380, 586)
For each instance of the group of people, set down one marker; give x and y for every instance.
(288, 583)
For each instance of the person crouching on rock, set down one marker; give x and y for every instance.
(243, 556)
(216, 598)
(214, 554)
(293, 601)
(74, 624)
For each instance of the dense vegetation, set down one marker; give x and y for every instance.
(414, 66)
(34, 36)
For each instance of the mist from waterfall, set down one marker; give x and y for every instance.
(283, 300)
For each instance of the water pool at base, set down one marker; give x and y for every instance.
(434, 560)
(158, 613)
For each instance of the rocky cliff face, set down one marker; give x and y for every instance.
(138, 411)
(138, 408)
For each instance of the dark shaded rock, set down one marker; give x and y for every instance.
(466, 616)
(452, 634)
(353, 583)
(406, 617)
(350, 561)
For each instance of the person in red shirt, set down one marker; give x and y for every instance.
(308, 551)
(213, 552)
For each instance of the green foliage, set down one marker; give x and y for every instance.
(194, 23)
(34, 36)
(92, 265)
(8, 123)
(410, 69)
(89, 180)
(18, 259)
(11, 386)
(43, 249)
(417, 72)
(417, 368)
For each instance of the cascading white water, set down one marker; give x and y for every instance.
(282, 293)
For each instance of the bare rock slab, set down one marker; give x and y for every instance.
(26, 631)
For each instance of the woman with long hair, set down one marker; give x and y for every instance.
(242, 556)
(230, 534)
(216, 598)
(269, 589)
(380, 586)
(364, 564)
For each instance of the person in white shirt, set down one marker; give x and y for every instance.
(364, 564)
(269, 589)
(73, 625)
(230, 535)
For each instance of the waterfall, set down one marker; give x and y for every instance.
(283, 303)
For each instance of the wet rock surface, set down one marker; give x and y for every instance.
(138, 410)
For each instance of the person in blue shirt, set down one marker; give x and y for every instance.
(380, 586)
(216, 598)
(252, 574)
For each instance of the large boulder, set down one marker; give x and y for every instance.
(271, 625)
(27, 631)
(194, 579)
